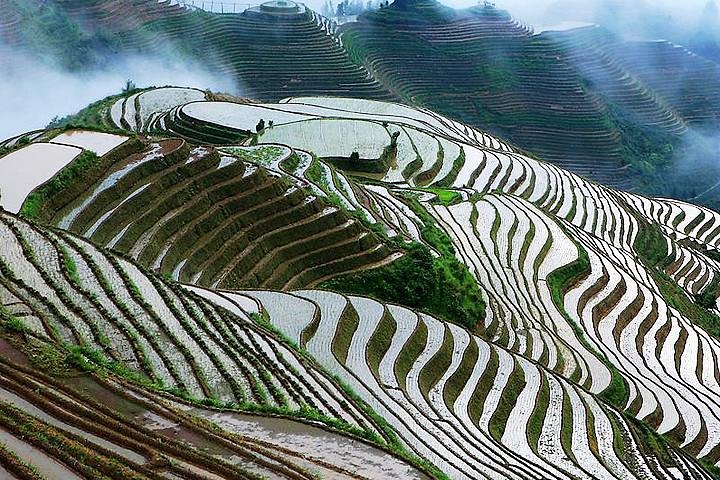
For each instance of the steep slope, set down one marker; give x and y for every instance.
(71, 292)
(69, 423)
(621, 112)
(596, 355)
(478, 66)
(583, 99)
(470, 407)
(565, 264)
(268, 53)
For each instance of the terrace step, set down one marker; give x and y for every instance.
(209, 217)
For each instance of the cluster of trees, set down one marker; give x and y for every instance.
(350, 7)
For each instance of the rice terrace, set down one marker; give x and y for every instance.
(359, 240)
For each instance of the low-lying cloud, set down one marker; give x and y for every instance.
(538, 12)
(33, 92)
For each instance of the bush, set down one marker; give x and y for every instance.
(651, 246)
(440, 286)
(653, 254)
(11, 322)
(15, 325)
(708, 297)
(33, 204)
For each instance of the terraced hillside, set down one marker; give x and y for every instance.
(583, 99)
(213, 217)
(59, 292)
(122, 429)
(268, 53)
(621, 112)
(595, 354)
(555, 255)
(472, 408)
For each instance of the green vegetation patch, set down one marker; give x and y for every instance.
(439, 286)
(708, 297)
(21, 142)
(459, 379)
(678, 299)
(652, 252)
(443, 287)
(380, 342)
(566, 430)
(438, 364)
(412, 167)
(264, 155)
(10, 322)
(535, 423)
(514, 387)
(33, 203)
(347, 326)
(291, 164)
(483, 387)
(559, 281)
(94, 117)
(445, 196)
(71, 181)
(14, 464)
(70, 266)
(450, 178)
(410, 353)
(651, 442)
(651, 246)
(316, 174)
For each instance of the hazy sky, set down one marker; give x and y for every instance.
(536, 11)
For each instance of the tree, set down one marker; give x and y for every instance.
(393, 139)
(260, 126)
(354, 157)
(129, 86)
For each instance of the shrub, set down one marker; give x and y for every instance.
(15, 325)
(11, 322)
(708, 297)
(440, 286)
(33, 204)
(653, 254)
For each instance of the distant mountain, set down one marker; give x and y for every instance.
(617, 111)
(584, 98)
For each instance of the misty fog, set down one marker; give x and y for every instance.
(548, 12)
(32, 92)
